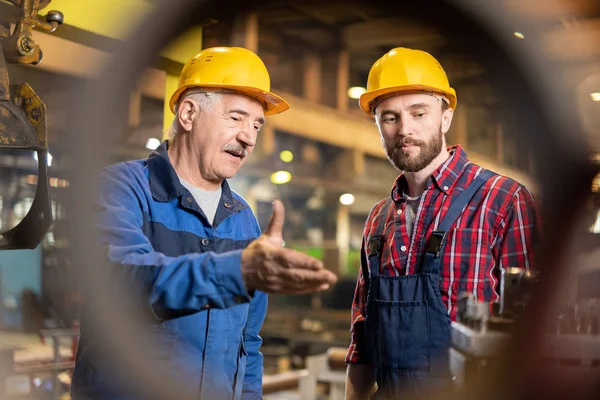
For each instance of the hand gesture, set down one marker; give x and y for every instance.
(271, 268)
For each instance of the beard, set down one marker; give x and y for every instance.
(403, 161)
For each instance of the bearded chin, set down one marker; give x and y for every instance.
(428, 152)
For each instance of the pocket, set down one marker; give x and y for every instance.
(162, 342)
(402, 335)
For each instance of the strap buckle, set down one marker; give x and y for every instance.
(436, 241)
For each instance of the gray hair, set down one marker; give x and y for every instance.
(205, 99)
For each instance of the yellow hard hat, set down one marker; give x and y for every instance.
(405, 70)
(233, 68)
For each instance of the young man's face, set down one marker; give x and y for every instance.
(412, 128)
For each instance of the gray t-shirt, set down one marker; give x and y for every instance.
(206, 199)
(412, 204)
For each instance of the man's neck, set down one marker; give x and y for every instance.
(417, 181)
(187, 167)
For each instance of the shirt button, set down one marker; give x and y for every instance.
(399, 212)
(445, 187)
(205, 242)
(227, 205)
(189, 199)
(206, 307)
(403, 248)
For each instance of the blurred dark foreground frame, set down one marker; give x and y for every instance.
(98, 114)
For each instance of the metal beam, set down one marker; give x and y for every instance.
(112, 21)
(312, 77)
(342, 80)
(390, 31)
(70, 58)
(245, 32)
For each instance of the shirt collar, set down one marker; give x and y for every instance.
(443, 178)
(165, 184)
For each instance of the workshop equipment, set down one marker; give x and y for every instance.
(23, 127)
(23, 113)
(571, 341)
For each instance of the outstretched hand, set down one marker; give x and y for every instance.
(271, 268)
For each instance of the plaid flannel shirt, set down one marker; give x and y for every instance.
(497, 230)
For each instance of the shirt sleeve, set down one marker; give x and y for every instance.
(169, 286)
(357, 329)
(520, 232)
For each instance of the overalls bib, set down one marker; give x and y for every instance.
(407, 326)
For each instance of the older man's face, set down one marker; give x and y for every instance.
(225, 135)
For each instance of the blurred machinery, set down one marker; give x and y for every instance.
(572, 339)
(23, 113)
(23, 127)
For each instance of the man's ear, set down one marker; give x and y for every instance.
(447, 116)
(187, 110)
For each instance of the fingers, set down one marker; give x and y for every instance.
(291, 272)
(303, 278)
(275, 227)
(294, 259)
(280, 270)
(289, 285)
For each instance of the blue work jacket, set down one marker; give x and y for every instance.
(189, 274)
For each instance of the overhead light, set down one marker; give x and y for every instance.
(286, 156)
(519, 35)
(347, 199)
(49, 158)
(356, 91)
(595, 96)
(281, 177)
(152, 143)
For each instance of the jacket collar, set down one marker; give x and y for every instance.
(165, 184)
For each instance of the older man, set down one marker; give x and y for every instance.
(448, 227)
(191, 246)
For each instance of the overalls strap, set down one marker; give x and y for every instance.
(437, 240)
(375, 245)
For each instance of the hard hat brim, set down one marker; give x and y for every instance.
(366, 100)
(272, 103)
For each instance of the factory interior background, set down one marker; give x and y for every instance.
(323, 159)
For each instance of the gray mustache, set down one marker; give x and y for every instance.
(235, 149)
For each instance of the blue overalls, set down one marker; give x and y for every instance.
(407, 326)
